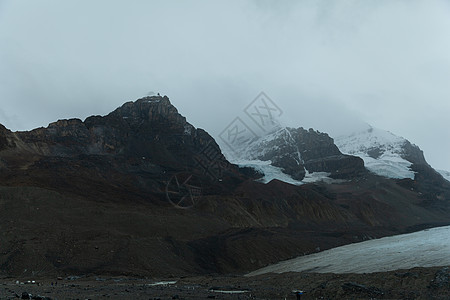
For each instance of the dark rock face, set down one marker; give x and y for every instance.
(320, 154)
(148, 135)
(150, 127)
(3, 140)
(434, 189)
(313, 144)
(413, 153)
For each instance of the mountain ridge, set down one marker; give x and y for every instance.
(98, 197)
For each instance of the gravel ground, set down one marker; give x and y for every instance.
(417, 283)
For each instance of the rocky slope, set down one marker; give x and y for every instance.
(142, 192)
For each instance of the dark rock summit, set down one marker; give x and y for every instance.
(146, 141)
(150, 128)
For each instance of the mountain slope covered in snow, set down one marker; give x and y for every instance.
(388, 155)
(383, 152)
(296, 155)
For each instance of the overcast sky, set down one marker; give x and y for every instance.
(327, 64)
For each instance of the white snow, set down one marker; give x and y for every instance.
(229, 291)
(427, 248)
(445, 174)
(270, 172)
(389, 164)
(256, 147)
(188, 129)
(163, 283)
(152, 98)
(251, 147)
(299, 156)
(319, 176)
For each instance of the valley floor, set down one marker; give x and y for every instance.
(417, 283)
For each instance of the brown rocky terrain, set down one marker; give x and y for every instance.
(141, 192)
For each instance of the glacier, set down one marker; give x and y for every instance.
(445, 174)
(271, 172)
(381, 151)
(426, 248)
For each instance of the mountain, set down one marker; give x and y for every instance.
(134, 147)
(299, 153)
(300, 156)
(383, 153)
(142, 192)
(391, 156)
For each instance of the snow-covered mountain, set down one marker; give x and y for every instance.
(383, 152)
(295, 156)
(386, 154)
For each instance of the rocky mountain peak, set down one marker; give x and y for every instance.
(153, 108)
(148, 135)
(153, 113)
